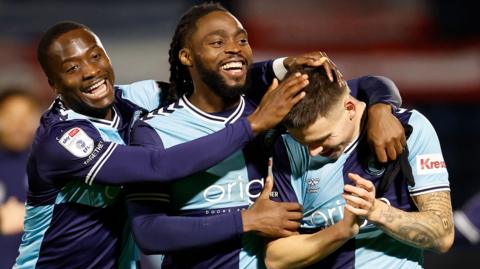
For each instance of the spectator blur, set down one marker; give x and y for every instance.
(19, 115)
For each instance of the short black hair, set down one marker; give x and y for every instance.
(180, 80)
(50, 36)
(13, 91)
(321, 95)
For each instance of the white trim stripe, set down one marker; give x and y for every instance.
(430, 190)
(463, 224)
(113, 123)
(94, 171)
(238, 112)
(212, 118)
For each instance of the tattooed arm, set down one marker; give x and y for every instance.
(430, 228)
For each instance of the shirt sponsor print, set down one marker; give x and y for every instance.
(430, 164)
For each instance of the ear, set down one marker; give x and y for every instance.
(52, 86)
(350, 108)
(185, 57)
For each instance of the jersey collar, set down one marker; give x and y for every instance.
(235, 115)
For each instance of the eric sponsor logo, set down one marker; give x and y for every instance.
(430, 164)
(235, 190)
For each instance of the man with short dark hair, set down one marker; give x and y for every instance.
(403, 207)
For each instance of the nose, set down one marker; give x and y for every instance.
(315, 150)
(90, 71)
(232, 47)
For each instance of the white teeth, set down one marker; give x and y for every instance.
(232, 65)
(96, 85)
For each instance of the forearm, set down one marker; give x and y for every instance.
(166, 165)
(376, 89)
(302, 250)
(430, 229)
(157, 234)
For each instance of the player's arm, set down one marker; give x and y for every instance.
(384, 131)
(157, 232)
(83, 154)
(301, 250)
(430, 228)
(78, 152)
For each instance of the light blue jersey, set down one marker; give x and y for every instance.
(317, 183)
(230, 186)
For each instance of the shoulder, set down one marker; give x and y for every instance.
(145, 93)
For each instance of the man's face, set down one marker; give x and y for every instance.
(18, 120)
(330, 135)
(81, 72)
(221, 54)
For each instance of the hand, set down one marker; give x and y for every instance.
(385, 133)
(349, 226)
(277, 102)
(313, 59)
(360, 198)
(272, 219)
(12, 213)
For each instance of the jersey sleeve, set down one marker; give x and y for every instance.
(375, 89)
(76, 150)
(425, 157)
(144, 93)
(157, 232)
(290, 161)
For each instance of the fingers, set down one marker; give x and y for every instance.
(272, 86)
(357, 192)
(361, 182)
(267, 188)
(292, 225)
(357, 202)
(391, 152)
(295, 216)
(293, 84)
(399, 147)
(356, 211)
(381, 154)
(291, 206)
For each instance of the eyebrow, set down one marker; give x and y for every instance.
(223, 33)
(74, 57)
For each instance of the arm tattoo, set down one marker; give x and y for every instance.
(423, 229)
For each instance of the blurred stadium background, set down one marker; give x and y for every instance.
(430, 48)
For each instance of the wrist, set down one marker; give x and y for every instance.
(375, 214)
(247, 224)
(254, 126)
(345, 231)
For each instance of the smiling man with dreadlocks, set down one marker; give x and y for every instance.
(210, 58)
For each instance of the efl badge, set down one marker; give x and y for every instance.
(77, 142)
(430, 164)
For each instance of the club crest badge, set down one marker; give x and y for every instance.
(374, 168)
(77, 142)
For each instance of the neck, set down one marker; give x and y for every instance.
(208, 101)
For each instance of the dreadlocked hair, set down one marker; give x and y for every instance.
(180, 80)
